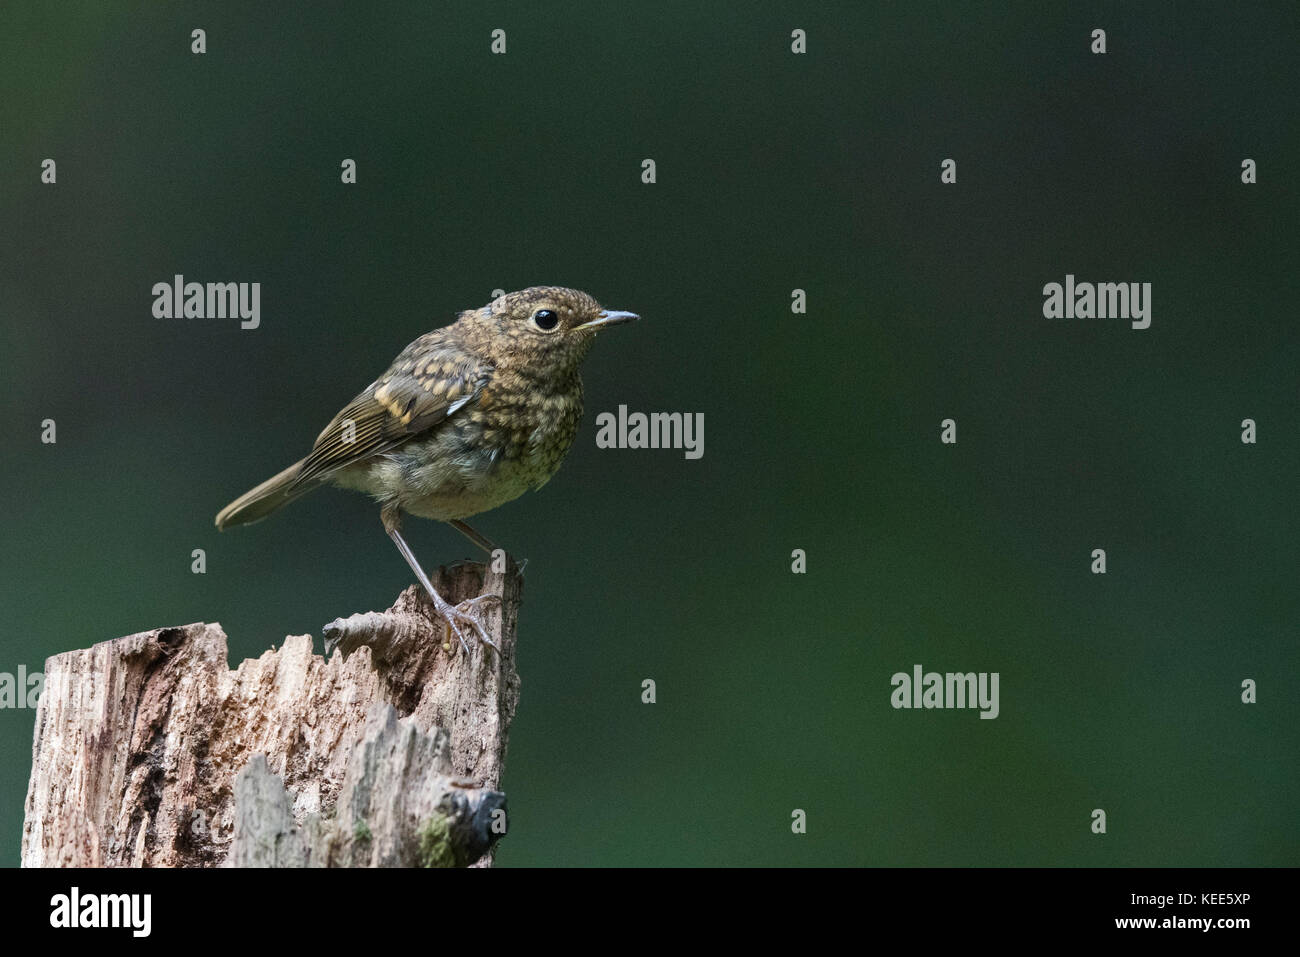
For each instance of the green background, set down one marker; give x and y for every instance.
(775, 172)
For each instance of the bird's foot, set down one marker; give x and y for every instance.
(465, 617)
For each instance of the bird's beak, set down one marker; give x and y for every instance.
(609, 317)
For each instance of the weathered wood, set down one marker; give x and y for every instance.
(139, 740)
(399, 806)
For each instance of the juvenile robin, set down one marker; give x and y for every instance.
(467, 418)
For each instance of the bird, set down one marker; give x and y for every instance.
(468, 417)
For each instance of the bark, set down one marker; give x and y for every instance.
(399, 806)
(140, 743)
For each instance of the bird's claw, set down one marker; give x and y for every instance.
(467, 613)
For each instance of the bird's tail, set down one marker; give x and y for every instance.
(257, 503)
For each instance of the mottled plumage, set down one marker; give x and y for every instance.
(467, 418)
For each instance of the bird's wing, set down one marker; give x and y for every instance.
(430, 381)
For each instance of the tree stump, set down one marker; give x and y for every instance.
(149, 751)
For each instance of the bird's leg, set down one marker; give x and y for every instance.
(476, 537)
(481, 540)
(392, 519)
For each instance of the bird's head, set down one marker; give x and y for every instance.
(548, 326)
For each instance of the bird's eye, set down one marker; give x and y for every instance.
(546, 320)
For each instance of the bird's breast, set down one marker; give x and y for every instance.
(489, 454)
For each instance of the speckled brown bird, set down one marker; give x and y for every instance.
(467, 418)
